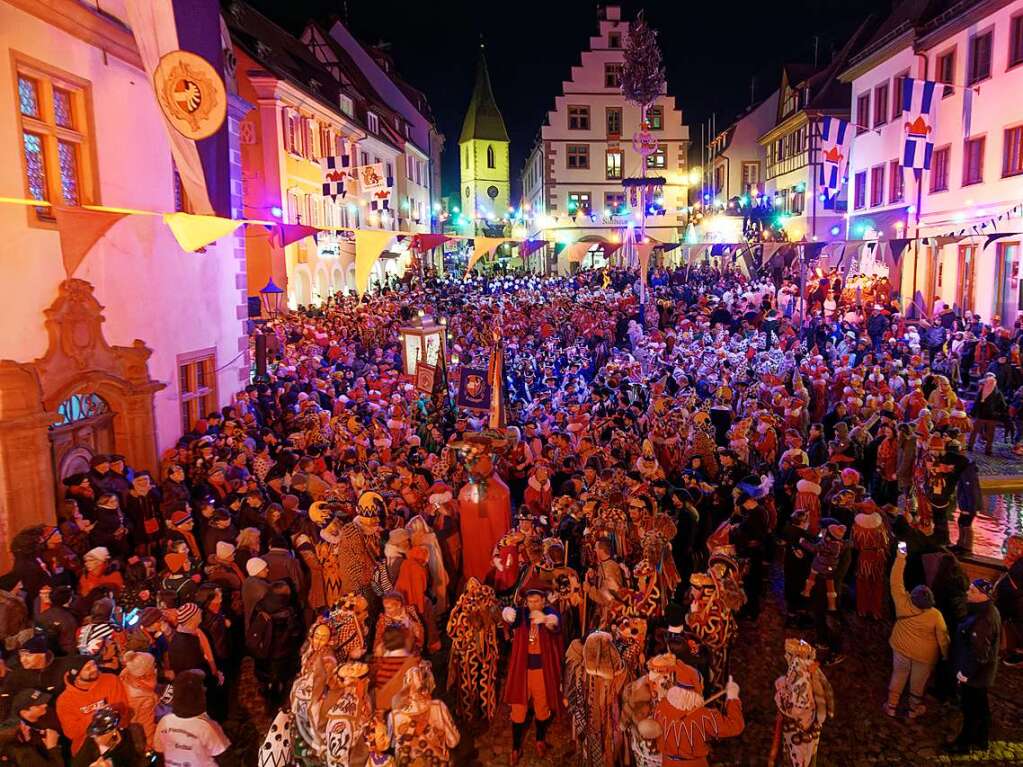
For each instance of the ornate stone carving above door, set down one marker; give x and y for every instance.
(78, 360)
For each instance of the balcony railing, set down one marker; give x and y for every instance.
(789, 164)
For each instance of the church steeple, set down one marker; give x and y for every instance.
(483, 119)
(483, 153)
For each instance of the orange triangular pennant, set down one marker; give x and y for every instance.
(79, 231)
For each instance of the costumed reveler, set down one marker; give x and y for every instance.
(534, 669)
(594, 677)
(805, 701)
(424, 732)
(472, 664)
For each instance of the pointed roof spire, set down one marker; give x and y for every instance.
(483, 119)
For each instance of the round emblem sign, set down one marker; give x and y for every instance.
(492, 192)
(191, 94)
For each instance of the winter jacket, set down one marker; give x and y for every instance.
(142, 700)
(33, 753)
(968, 489)
(976, 644)
(75, 706)
(919, 634)
(13, 615)
(990, 408)
(1009, 595)
(49, 679)
(60, 626)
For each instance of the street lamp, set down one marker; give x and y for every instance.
(423, 339)
(270, 295)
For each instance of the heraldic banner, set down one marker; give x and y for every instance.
(473, 389)
(182, 49)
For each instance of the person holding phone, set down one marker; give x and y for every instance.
(919, 637)
(30, 743)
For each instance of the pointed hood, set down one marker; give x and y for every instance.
(483, 119)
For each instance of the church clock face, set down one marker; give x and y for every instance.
(492, 192)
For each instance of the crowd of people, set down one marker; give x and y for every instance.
(590, 551)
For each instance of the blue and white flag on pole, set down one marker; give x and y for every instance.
(919, 99)
(836, 138)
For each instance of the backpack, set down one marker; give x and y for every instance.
(269, 634)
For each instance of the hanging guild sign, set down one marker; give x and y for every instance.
(426, 377)
(372, 179)
(191, 94)
(375, 186)
(473, 389)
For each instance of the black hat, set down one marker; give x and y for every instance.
(189, 694)
(35, 644)
(98, 459)
(75, 479)
(27, 698)
(62, 596)
(675, 615)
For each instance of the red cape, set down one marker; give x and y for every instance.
(485, 516)
(550, 650)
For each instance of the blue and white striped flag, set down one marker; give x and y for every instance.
(836, 137)
(919, 99)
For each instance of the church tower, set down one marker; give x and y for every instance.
(483, 153)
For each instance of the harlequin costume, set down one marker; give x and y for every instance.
(472, 663)
(424, 732)
(805, 700)
(808, 497)
(688, 727)
(713, 625)
(640, 699)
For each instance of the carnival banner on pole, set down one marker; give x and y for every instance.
(337, 174)
(918, 105)
(473, 389)
(836, 139)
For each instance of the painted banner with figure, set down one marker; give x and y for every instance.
(473, 389)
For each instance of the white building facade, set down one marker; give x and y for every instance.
(573, 180)
(736, 160)
(976, 174)
(146, 338)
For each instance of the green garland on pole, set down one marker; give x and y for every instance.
(643, 74)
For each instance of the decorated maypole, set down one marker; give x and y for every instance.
(642, 84)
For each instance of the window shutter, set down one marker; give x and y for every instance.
(289, 138)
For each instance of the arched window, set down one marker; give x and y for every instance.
(490, 156)
(78, 407)
(467, 157)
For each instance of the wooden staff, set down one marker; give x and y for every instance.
(775, 743)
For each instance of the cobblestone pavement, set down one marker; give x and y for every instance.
(1002, 461)
(860, 734)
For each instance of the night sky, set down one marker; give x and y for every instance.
(712, 51)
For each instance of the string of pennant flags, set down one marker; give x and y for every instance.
(81, 227)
